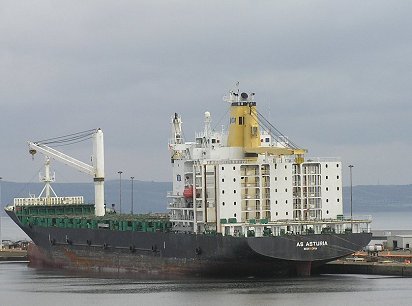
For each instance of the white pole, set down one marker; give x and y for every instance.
(351, 215)
(98, 164)
(1, 206)
(120, 192)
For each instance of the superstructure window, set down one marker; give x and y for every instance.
(337, 177)
(267, 139)
(178, 178)
(241, 120)
(234, 203)
(223, 180)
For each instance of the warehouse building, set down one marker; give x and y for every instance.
(399, 242)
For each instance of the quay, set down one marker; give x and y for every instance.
(373, 268)
(13, 255)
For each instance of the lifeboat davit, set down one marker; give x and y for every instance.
(188, 192)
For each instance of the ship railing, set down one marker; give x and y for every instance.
(226, 161)
(44, 201)
(171, 194)
(279, 228)
(181, 218)
(355, 218)
(180, 205)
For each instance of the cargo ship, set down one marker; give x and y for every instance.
(246, 201)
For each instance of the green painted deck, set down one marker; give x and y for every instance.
(82, 216)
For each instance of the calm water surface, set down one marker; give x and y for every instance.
(21, 285)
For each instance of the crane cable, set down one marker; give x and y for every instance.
(269, 127)
(67, 139)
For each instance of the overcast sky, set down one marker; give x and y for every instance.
(335, 76)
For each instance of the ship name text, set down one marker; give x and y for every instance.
(311, 243)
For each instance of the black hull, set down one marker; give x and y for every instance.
(171, 254)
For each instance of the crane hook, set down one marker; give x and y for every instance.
(32, 152)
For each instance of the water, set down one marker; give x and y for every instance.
(20, 285)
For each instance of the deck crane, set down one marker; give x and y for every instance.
(96, 170)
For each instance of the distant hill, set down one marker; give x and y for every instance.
(151, 196)
(372, 198)
(148, 196)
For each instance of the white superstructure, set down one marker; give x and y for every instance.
(251, 179)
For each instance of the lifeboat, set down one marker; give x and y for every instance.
(188, 192)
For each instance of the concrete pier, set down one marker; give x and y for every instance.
(13, 255)
(374, 268)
